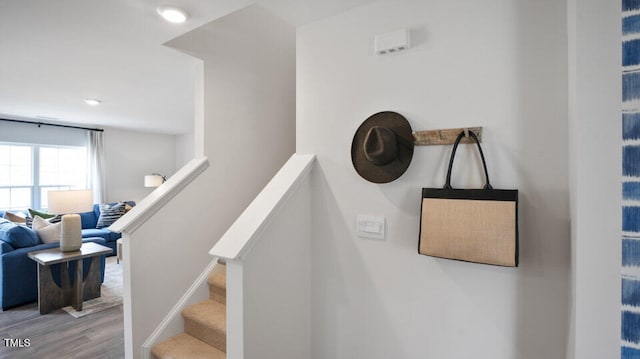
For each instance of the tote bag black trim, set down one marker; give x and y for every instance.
(470, 225)
(480, 194)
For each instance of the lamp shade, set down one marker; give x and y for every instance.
(153, 180)
(70, 201)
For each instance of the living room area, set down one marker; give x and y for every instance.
(117, 125)
(36, 159)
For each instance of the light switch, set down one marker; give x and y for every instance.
(370, 226)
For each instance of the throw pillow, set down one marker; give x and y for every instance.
(14, 217)
(55, 219)
(16, 235)
(110, 213)
(44, 215)
(48, 232)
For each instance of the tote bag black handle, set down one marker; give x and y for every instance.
(447, 185)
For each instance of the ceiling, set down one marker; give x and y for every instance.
(54, 54)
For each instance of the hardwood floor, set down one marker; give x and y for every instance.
(58, 335)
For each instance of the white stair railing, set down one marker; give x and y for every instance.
(150, 253)
(268, 257)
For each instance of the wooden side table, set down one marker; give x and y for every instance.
(50, 295)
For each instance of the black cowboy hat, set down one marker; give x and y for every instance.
(382, 147)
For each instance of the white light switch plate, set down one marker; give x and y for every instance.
(370, 226)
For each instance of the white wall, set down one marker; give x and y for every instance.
(249, 109)
(49, 135)
(596, 170)
(129, 155)
(185, 149)
(499, 64)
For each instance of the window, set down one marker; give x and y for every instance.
(28, 172)
(16, 177)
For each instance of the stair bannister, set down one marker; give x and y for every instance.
(141, 309)
(267, 254)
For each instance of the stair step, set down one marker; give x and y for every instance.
(184, 346)
(218, 284)
(207, 321)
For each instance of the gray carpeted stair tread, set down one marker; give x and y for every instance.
(217, 281)
(184, 346)
(207, 321)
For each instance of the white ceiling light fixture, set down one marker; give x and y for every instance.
(92, 101)
(172, 14)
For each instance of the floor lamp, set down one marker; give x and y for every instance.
(154, 180)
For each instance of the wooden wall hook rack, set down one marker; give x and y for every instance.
(444, 137)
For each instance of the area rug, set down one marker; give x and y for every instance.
(111, 292)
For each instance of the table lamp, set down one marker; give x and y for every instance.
(70, 203)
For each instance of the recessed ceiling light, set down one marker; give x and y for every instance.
(173, 14)
(92, 101)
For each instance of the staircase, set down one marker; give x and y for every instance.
(205, 325)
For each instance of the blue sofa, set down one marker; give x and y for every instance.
(18, 273)
(90, 220)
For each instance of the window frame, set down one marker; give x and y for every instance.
(36, 187)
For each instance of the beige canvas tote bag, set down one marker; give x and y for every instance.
(473, 225)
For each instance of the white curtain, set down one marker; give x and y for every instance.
(96, 179)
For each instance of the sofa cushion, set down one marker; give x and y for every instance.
(114, 236)
(95, 232)
(88, 219)
(48, 232)
(16, 235)
(5, 247)
(110, 213)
